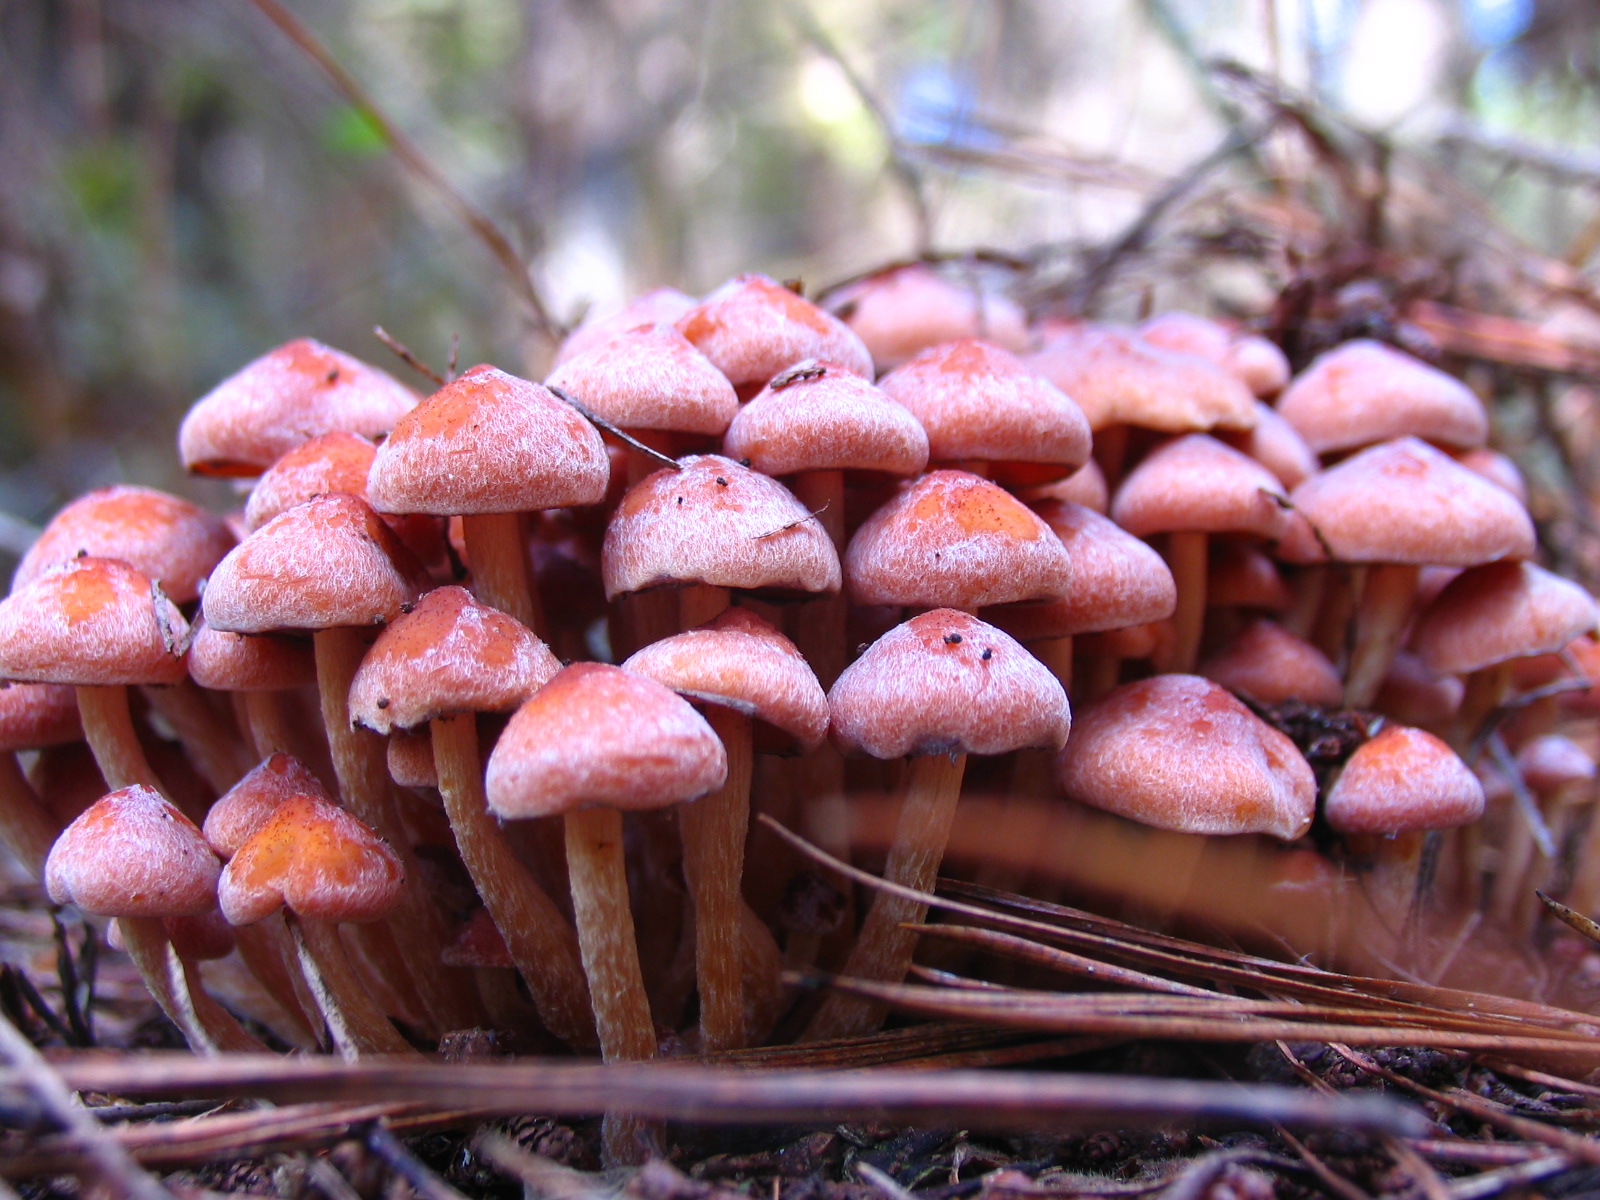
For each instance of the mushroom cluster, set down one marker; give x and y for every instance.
(462, 663)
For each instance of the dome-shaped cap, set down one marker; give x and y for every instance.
(244, 808)
(649, 378)
(1249, 358)
(409, 756)
(662, 305)
(1269, 664)
(714, 521)
(1401, 781)
(1554, 760)
(904, 309)
(334, 462)
(1500, 611)
(449, 654)
(1196, 483)
(35, 715)
(1118, 378)
(1276, 445)
(597, 734)
(947, 683)
(979, 403)
(95, 621)
(1085, 486)
(1117, 580)
(1365, 392)
(489, 442)
(1180, 752)
(174, 542)
(817, 417)
(753, 327)
(318, 861)
(954, 540)
(742, 658)
(132, 854)
(326, 563)
(298, 391)
(256, 662)
(1405, 502)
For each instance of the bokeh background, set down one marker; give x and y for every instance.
(182, 184)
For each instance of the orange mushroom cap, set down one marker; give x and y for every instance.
(1400, 781)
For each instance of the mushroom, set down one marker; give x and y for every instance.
(904, 309)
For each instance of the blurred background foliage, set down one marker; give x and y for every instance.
(183, 187)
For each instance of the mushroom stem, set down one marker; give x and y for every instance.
(883, 949)
(266, 950)
(539, 938)
(356, 1024)
(1186, 556)
(820, 624)
(1484, 691)
(206, 1025)
(211, 742)
(108, 728)
(358, 761)
(27, 829)
(714, 828)
(1386, 601)
(699, 603)
(270, 724)
(610, 957)
(605, 934)
(499, 565)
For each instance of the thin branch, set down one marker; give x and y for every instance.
(405, 355)
(621, 435)
(412, 157)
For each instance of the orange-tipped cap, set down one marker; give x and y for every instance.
(741, 658)
(1196, 483)
(714, 521)
(947, 683)
(489, 442)
(132, 854)
(954, 540)
(449, 654)
(334, 462)
(318, 861)
(174, 542)
(753, 327)
(96, 622)
(597, 734)
(1179, 752)
(298, 391)
(326, 563)
(1401, 781)
(249, 804)
(660, 306)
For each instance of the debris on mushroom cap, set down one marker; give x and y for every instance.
(1197, 483)
(1117, 580)
(596, 734)
(1364, 392)
(132, 854)
(1500, 611)
(1403, 780)
(329, 562)
(449, 654)
(817, 416)
(334, 462)
(905, 309)
(659, 306)
(34, 715)
(315, 859)
(713, 521)
(752, 327)
(489, 442)
(1405, 502)
(298, 391)
(94, 621)
(256, 662)
(946, 683)
(980, 403)
(1118, 378)
(249, 804)
(742, 658)
(167, 538)
(1269, 664)
(649, 377)
(955, 540)
(1180, 752)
